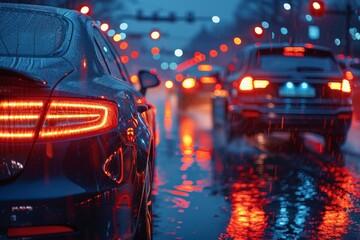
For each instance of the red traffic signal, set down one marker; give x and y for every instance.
(317, 8)
(258, 31)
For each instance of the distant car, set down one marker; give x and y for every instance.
(197, 84)
(76, 138)
(287, 88)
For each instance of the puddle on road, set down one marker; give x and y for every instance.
(245, 192)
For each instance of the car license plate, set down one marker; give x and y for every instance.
(308, 92)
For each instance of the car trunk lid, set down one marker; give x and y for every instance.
(24, 95)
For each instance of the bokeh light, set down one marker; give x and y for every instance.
(287, 6)
(123, 36)
(224, 48)
(215, 19)
(111, 33)
(85, 10)
(117, 37)
(124, 45)
(104, 27)
(173, 66)
(155, 50)
(134, 54)
(237, 40)
(178, 52)
(123, 26)
(213, 53)
(124, 59)
(164, 65)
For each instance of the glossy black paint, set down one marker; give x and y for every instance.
(95, 185)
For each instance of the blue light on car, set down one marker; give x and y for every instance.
(289, 85)
(304, 85)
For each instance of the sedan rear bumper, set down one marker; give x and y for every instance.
(265, 120)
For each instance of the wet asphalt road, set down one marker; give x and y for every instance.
(263, 187)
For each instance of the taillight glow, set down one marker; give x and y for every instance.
(246, 84)
(345, 86)
(65, 118)
(18, 119)
(205, 68)
(334, 85)
(189, 83)
(294, 51)
(208, 80)
(75, 118)
(261, 83)
(341, 86)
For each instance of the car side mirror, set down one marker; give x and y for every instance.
(147, 80)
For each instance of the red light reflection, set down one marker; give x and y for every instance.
(248, 218)
(336, 217)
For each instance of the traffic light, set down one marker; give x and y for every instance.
(155, 34)
(258, 31)
(317, 8)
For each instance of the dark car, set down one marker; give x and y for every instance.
(77, 139)
(197, 84)
(288, 88)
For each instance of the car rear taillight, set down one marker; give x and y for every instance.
(65, 118)
(340, 86)
(18, 119)
(248, 83)
(208, 80)
(189, 83)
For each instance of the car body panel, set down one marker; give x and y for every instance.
(93, 184)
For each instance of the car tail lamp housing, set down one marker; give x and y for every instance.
(343, 86)
(248, 83)
(65, 118)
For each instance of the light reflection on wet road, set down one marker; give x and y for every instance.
(255, 188)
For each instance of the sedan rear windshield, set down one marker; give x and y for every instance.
(307, 61)
(31, 33)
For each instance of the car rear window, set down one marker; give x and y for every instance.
(31, 33)
(296, 59)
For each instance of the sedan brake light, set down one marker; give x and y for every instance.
(189, 83)
(65, 118)
(340, 86)
(18, 119)
(248, 83)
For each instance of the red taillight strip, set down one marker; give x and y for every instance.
(341, 86)
(19, 118)
(65, 118)
(248, 83)
(75, 118)
(22, 104)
